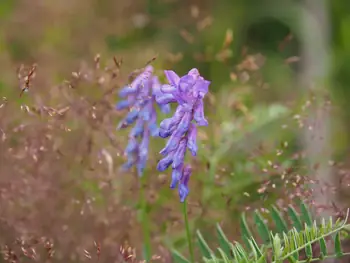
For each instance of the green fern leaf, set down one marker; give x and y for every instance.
(255, 249)
(223, 241)
(224, 255)
(295, 218)
(236, 255)
(262, 259)
(279, 221)
(323, 247)
(243, 254)
(276, 247)
(261, 227)
(203, 246)
(337, 245)
(329, 226)
(292, 260)
(286, 244)
(305, 214)
(308, 238)
(178, 258)
(246, 233)
(293, 242)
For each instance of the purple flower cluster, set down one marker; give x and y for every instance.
(140, 100)
(188, 91)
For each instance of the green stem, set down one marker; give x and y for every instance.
(144, 221)
(188, 233)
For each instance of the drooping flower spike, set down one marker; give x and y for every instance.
(140, 100)
(188, 91)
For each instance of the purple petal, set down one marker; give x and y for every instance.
(132, 146)
(171, 144)
(165, 99)
(156, 86)
(186, 174)
(192, 139)
(184, 125)
(165, 108)
(122, 105)
(143, 154)
(126, 166)
(179, 154)
(165, 163)
(129, 163)
(127, 90)
(146, 111)
(183, 185)
(143, 78)
(153, 129)
(165, 133)
(168, 88)
(175, 176)
(201, 87)
(143, 148)
(132, 116)
(179, 112)
(186, 83)
(152, 124)
(183, 192)
(168, 125)
(194, 73)
(172, 77)
(199, 114)
(138, 128)
(132, 99)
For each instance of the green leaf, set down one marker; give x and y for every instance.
(224, 256)
(246, 233)
(242, 252)
(255, 249)
(276, 246)
(279, 221)
(262, 259)
(261, 227)
(323, 246)
(223, 241)
(236, 254)
(308, 248)
(178, 258)
(337, 245)
(203, 246)
(295, 218)
(305, 214)
(294, 242)
(292, 260)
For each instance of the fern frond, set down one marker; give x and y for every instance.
(279, 245)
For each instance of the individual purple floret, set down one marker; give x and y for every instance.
(140, 100)
(188, 91)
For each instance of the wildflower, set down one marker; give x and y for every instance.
(140, 99)
(188, 91)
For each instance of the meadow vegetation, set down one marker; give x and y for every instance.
(272, 157)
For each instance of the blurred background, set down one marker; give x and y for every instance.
(277, 108)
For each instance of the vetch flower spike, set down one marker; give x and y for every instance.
(188, 91)
(140, 100)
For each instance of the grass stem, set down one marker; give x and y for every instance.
(188, 233)
(147, 251)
